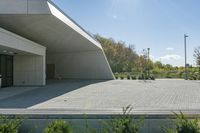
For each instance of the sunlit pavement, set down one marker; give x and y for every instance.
(101, 95)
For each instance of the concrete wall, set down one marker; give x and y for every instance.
(80, 65)
(14, 41)
(29, 60)
(78, 125)
(29, 70)
(152, 122)
(24, 7)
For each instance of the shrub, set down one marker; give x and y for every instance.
(121, 77)
(184, 125)
(141, 77)
(133, 77)
(169, 75)
(191, 78)
(58, 126)
(194, 78)
(152, 77)
(10, 125)
(180, 74)
(128, 77)
(146, 78)
(124, 123)
(116, 77)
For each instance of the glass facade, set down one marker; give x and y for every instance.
(6, 70)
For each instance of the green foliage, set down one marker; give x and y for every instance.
(116, 77)
(197, 55)
(152, 77)
(121, 77)
(58, 126)
(10, 125)
(141, 77)
(128, 77)
(176, 72)
(168, 130)
(133, 77)
(120, 57)
(184, 125)
(123, 59)
(124, 123)
(89, 129)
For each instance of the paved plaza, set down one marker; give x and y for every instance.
(105, 95)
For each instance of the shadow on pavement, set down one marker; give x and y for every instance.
(41, 94)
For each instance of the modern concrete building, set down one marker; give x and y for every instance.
(39, 42)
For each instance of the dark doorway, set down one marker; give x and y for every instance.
(6, 70)
(50, 72)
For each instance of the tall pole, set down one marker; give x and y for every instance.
(185, 41)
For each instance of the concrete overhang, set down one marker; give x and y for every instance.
(43, 22)
(74, 52)
(12, 44)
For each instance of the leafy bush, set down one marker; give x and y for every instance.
(128, 77)
(58, 126)
(121, 77)
(116, 77)
(124, 123)
(184, 125)
(168, 76)
(152, 77)
(133, 77)
(193, 76)
(9, 125)
(141, 77)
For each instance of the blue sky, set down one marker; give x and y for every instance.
(157, 24)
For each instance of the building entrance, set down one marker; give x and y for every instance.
(6, 70)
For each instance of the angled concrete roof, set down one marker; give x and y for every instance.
(41, 21)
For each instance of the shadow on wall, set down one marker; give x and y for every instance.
(41, 94)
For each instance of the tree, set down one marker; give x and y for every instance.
(158, 64)
(169, 67)
(122, 57)
(197, 57)
(143, 63)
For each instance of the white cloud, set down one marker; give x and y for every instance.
(170, 57)
(169, 49)
(152, 57)
(173, 59)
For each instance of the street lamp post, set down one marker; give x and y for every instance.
(185, 41)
